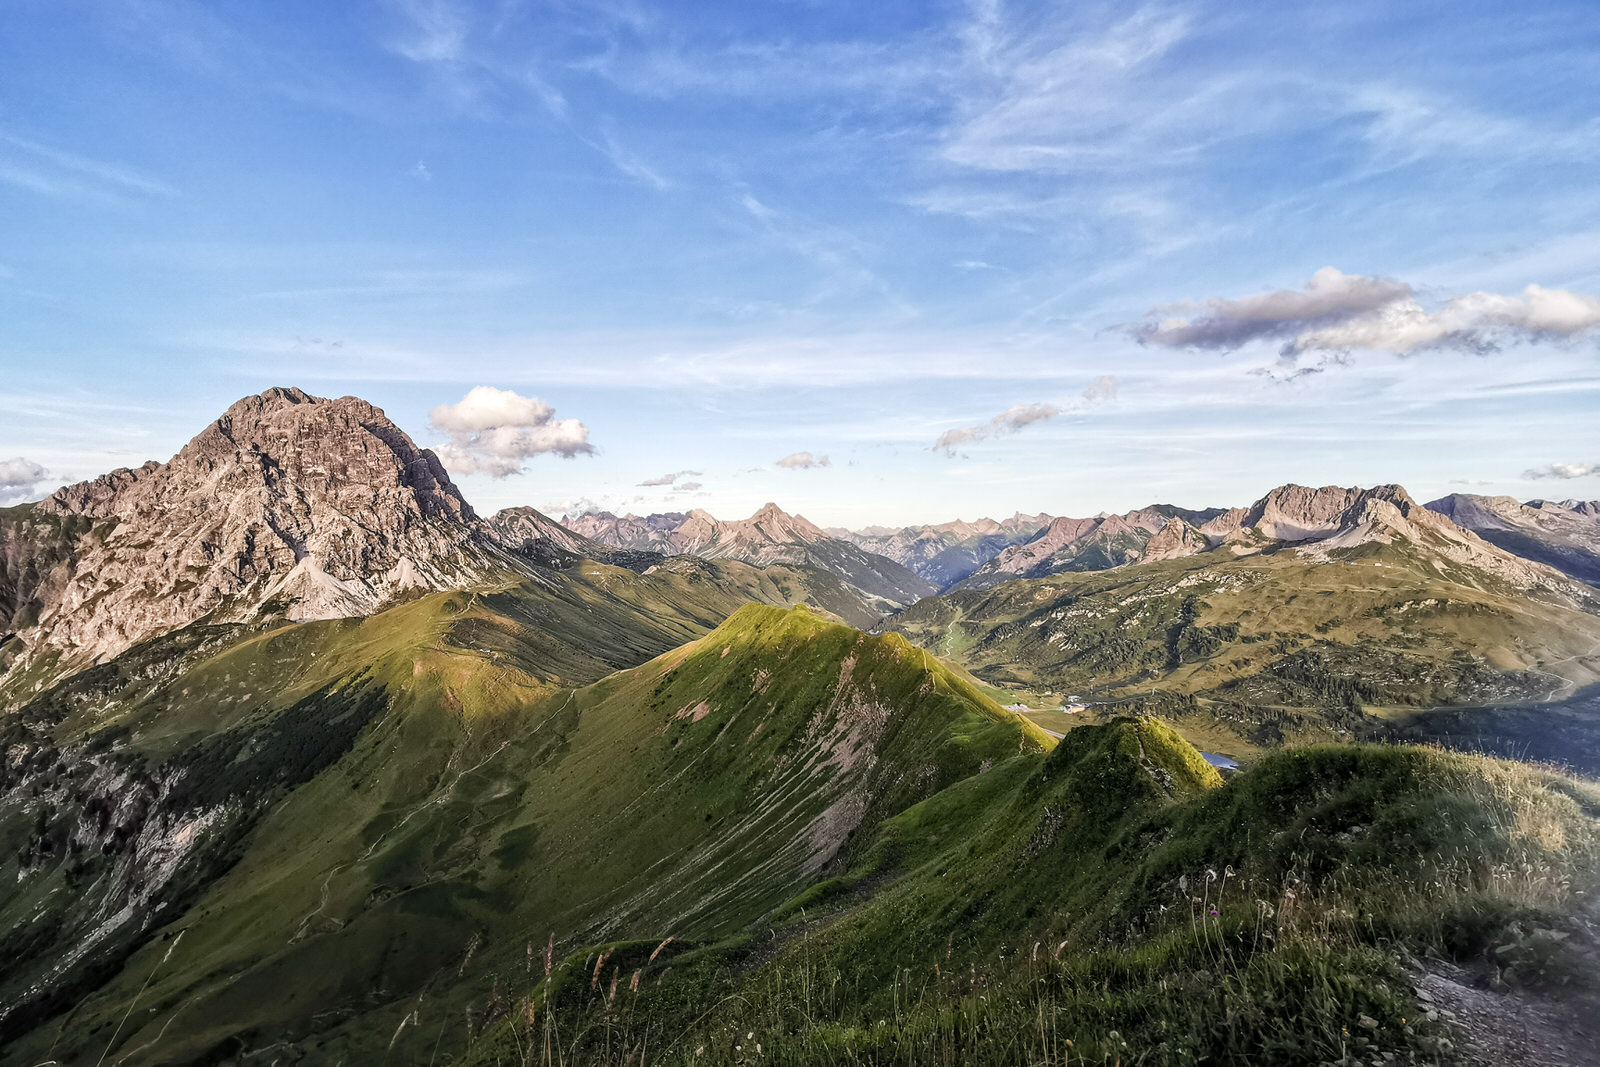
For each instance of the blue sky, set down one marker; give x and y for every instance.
(723, 234)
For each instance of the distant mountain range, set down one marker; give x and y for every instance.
(1307, 599)
(310, 508)
(304, 760)
(984, 553)
(1565, 534)
(303, 508)
(946, 552)
(771, 535)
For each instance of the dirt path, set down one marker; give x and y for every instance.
(1524, 1028)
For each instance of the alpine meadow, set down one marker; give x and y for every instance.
(629, 689)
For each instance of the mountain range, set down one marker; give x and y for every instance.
(945, 553)
(1565, 534)
(307, 508)
(771, 535)
(304, 760)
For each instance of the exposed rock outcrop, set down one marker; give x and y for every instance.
(317, 508)
(1562, 534)
(1173, 541)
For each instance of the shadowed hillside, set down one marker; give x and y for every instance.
(1114, 901)
(470, 809)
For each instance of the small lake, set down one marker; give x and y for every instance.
(1219, 761)
(1565, 732)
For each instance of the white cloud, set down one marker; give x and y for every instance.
(1102, 388)
(1563, 471)
(1014, 419)
(495, 431)
(19, 479)
(1337, 311)
(669, 479)
(800, 461)
(1009, 421)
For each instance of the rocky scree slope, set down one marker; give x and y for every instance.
(771, 535)
(322, 508)
(1562, 534)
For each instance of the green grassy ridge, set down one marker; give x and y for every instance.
(95, 872)
(1069, 899)
(222, 721)
(1380, 624)
(473, 818)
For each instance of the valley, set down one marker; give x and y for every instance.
(342, 772)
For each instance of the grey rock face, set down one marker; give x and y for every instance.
(318, 508)
(1562, 534)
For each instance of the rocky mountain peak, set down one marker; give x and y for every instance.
(776, 524)
(1300, 513)
(1174, 540)
(324, 506)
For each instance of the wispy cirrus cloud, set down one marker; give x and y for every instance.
(1335, 312)
(495, 432)
(42, 168)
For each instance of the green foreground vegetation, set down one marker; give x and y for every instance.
(571, 822)
(1115, 902)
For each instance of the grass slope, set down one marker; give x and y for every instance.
(1115, 902)
(130, 786)
(1262, 638)
(480, 811)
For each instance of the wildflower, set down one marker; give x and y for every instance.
(549, 953)
(1213, 911)
(659, 947)
(633, 986)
